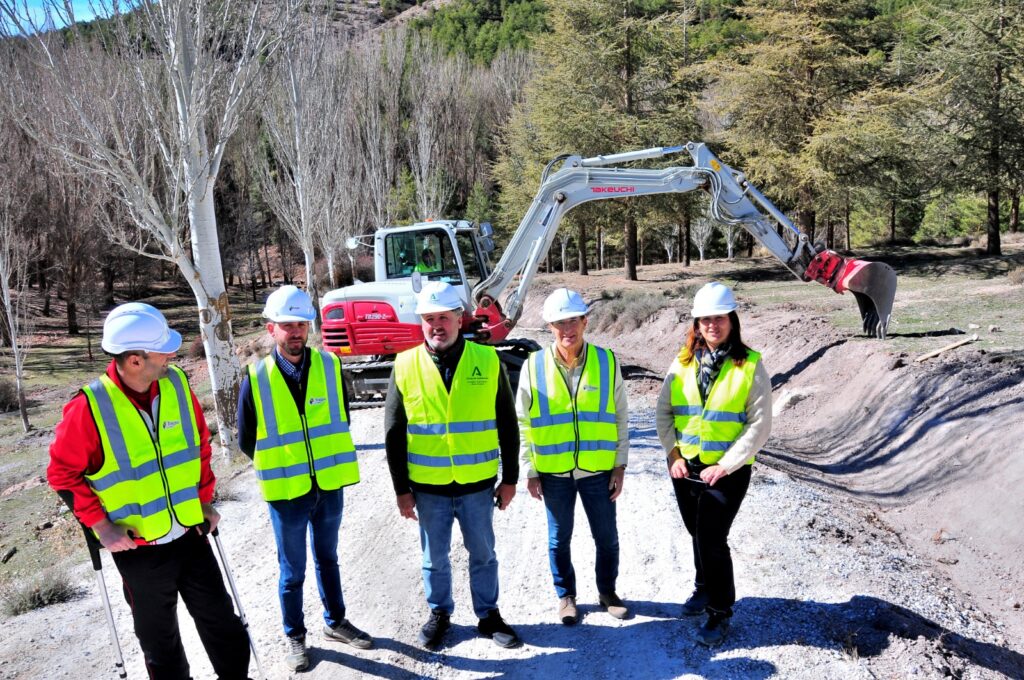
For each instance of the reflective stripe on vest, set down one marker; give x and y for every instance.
(142, 479)
(292, 448)
(451, 436)
(708, 431)
(572, 430)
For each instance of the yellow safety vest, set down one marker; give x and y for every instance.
(572, 430)
(293, 449)
(708, 430)
(451, 436)
(144, 479)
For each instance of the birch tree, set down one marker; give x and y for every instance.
(346, 211)
(15, 195)
(377, 97)
(700, 234)
(730, 232)
(149, 104)
(300, 118)
(434, 124)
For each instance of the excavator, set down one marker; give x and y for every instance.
(368, 323)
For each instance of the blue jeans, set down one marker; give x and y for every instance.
(475, 513)
(560, 501)
(321, 512)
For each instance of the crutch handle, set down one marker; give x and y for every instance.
(94, 546)
(204, 529)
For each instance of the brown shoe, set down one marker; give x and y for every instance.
(567, 611)
(615, 606)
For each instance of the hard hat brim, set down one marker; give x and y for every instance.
(285, 318)
(561, 316)
(171, 344)
(431, 308)
(712, 311)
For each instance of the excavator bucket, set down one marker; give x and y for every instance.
(873, 285)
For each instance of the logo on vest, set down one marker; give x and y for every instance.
(316, 401)
(476, 377)
(169, 424)
(589, 388)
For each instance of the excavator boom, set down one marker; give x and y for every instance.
(733, 200)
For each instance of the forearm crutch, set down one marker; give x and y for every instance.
(97, 566)
(234, 592)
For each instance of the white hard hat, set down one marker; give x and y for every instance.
(563, 304)
(713, 299)
(289, 303)
(438, 296)
(138, 326)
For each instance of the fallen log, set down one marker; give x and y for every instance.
(952, 345)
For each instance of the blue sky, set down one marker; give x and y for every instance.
(82, 9)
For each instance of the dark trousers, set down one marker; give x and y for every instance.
(708, 512)
(153, 576)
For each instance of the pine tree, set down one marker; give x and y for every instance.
(805, 60)
(606, 81)
(978, 50)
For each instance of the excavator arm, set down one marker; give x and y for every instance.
(732, 201)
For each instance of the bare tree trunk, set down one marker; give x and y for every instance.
(892, 221)
(5, 334)
(266, 271)
(993, 246)
(1014, 210)
(846, 219)
(581, 246)
(830, 231)
(629, 227)
(687, 226)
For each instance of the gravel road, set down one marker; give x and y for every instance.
(826, 590)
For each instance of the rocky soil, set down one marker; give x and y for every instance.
(881, 537)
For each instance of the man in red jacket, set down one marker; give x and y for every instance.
(131, 458)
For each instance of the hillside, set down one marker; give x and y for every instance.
(881, 537)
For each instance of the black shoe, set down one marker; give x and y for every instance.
(712, 633)
(434, 629)
(697, 603)
(495, 628)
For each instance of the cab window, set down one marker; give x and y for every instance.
(428, 252)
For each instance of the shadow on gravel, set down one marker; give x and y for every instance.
(656, 649)
(333, 654)
(863, 627)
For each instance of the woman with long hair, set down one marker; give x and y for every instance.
(714, 414)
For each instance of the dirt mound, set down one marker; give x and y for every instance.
(935, 444)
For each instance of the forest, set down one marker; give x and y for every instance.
(218, 142)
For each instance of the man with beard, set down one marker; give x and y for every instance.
(293, 423)
(449, 417)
